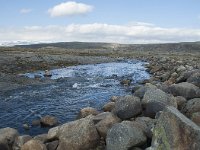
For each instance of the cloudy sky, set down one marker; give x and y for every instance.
(118, 21)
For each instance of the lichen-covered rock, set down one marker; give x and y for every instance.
(106, 123)
(34, 145)
(127, 107)
(156, 100)
(76, 135)
(175, 131)
(49, 121)
(86, 112)
(123, 136)
(185, 89)
(7, 138)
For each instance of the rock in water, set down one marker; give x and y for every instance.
(109, 106)
(86, 112)
(127, 107)
(185, 89)
(174, 131)
(49, 121)
(76, 135)
(33, 145)
(123, 136)
(7, 138)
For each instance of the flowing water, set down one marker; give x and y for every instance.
(76, 87)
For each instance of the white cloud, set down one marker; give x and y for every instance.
(25, 11)
(69, 9)
(98, 32)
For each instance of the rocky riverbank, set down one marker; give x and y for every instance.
(162, 113)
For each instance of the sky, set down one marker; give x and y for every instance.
(115, 21)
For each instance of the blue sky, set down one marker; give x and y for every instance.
(136, 18)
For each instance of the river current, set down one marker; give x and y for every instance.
(76, 87)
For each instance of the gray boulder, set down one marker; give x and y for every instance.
(106, 123)
(175, 131)
(123, 136)
(156, 100)
(185, 89)
(7, 138)
(34, 145)
(192, 106)
(76, 135)
(52, 145)
(194, 79)
(127, 107)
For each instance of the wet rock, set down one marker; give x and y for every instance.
(127, 107)
(86, 112)
(106, 123)
(41, 137)
(26, 126)
(75, 135)
(33, 145)
(185, 89)
(35, 123)
(7, 138)
(109, 106)
(48, 121)
(192, 106)
(20, 141)
(123, 136)
(114, 98)
(126, 82)
(47, 73)
(175, 131)
(52, 145)
(156, 100)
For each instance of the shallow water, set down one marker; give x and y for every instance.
(76, 87)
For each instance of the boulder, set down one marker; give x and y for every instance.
(76, 135)
(114, 98)
(181, 102)
(196, 118)
(156, 100)
(123, 136)
(126, 82)
(109, 106)
(41, 137)
(86, 112)
(146, 124)
(52, 145)
(185, 89)
(49, 121)
(106, 123)
(7, 138)
(33, 145)
(185, 75)
(20, 141)
(192, 106)
(194, 79)
(175, 131)
(181, 68)
(127, 107)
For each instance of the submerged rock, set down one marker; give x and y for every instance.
(49, 121)
(175, 131)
